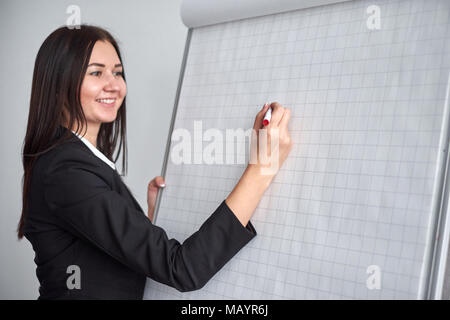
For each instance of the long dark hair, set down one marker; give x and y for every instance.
(59, 70)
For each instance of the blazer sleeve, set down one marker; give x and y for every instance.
(84, 204)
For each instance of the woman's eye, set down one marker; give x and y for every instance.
(98, 73)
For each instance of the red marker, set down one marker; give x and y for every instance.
(267, 117)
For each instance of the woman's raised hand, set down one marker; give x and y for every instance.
(271, 144)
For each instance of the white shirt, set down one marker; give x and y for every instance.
(97, 152)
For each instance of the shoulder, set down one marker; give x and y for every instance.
(66, 153)
(72, 159)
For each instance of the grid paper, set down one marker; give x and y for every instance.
(366, 120)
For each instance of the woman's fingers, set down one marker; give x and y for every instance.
(160, 181)
(277, 114)
(260, 116)
(285, 119)
(157, 182)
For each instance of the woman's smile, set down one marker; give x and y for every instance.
(107, 102)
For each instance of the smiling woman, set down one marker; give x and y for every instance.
(63, 94)
(91, 238)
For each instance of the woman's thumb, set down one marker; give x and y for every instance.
(260, 116)
(160, 182)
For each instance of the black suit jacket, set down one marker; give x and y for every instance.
(81, 213)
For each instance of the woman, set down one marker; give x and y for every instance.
(90, 236)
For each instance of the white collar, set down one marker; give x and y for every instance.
(97, 152)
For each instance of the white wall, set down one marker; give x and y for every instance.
(151, 36)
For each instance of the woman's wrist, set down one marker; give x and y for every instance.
(247, 193)
(257, 174)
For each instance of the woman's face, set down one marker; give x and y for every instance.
(103, 88)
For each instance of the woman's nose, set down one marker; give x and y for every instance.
(112, 82)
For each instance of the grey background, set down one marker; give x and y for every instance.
(151, 37)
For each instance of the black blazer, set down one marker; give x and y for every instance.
(81, 213)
